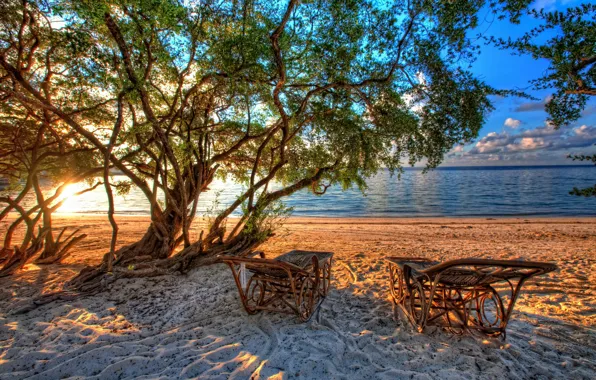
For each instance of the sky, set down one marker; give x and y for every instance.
(516, 132)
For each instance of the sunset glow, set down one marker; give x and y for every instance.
(71, 200)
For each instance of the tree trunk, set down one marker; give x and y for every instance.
(157, 244)
(49, 247)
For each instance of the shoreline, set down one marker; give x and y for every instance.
(369, 219)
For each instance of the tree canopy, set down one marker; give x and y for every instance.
(277, 95)
(568, 41)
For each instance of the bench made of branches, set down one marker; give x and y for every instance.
(460, 294)
(295, 282)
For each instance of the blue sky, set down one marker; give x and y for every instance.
(516, 133)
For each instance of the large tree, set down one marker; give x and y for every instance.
(297, 94)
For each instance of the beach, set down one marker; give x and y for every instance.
(193, 325)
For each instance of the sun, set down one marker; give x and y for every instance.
(70, 190)
(70, 199)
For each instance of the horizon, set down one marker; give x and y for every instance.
(586, 164)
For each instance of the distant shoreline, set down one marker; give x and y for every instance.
(506, 167)
(366, 219)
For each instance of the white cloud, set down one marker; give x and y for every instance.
(458, 149)
(543, 142)
(533, 106)
(512, 123)
(584, 130)
(543, 145)
(528, 143)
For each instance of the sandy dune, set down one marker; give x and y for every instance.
(193, 326)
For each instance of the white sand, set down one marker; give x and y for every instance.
(194, 326)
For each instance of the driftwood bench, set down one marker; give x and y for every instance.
(295, 282)
(460, 294)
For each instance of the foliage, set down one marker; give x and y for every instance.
(589, 191)
(213, 209)
(568, 41)
(268, 220)
(585, 192)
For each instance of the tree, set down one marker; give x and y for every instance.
(33, 150)
(569, 44)
(568, 41)
(297, 94)
(36, 147)
(588, 191)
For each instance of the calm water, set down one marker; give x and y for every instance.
(471, 191)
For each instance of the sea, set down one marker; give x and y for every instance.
(503, 191)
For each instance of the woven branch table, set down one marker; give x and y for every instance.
(460, 294)
(295, 282)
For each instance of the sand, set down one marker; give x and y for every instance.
(194, 326)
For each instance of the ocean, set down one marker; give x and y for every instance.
(454, 192)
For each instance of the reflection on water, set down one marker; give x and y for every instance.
(442, 192)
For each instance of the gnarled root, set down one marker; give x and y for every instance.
(197, 254)
(95, 279)
(60, 249)
(5, 253)
(19, 257)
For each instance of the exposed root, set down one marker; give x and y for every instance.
(5, 254)
(204, 252)
(15, 259)
(61, 249)
(138, 260)
(19, 257)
